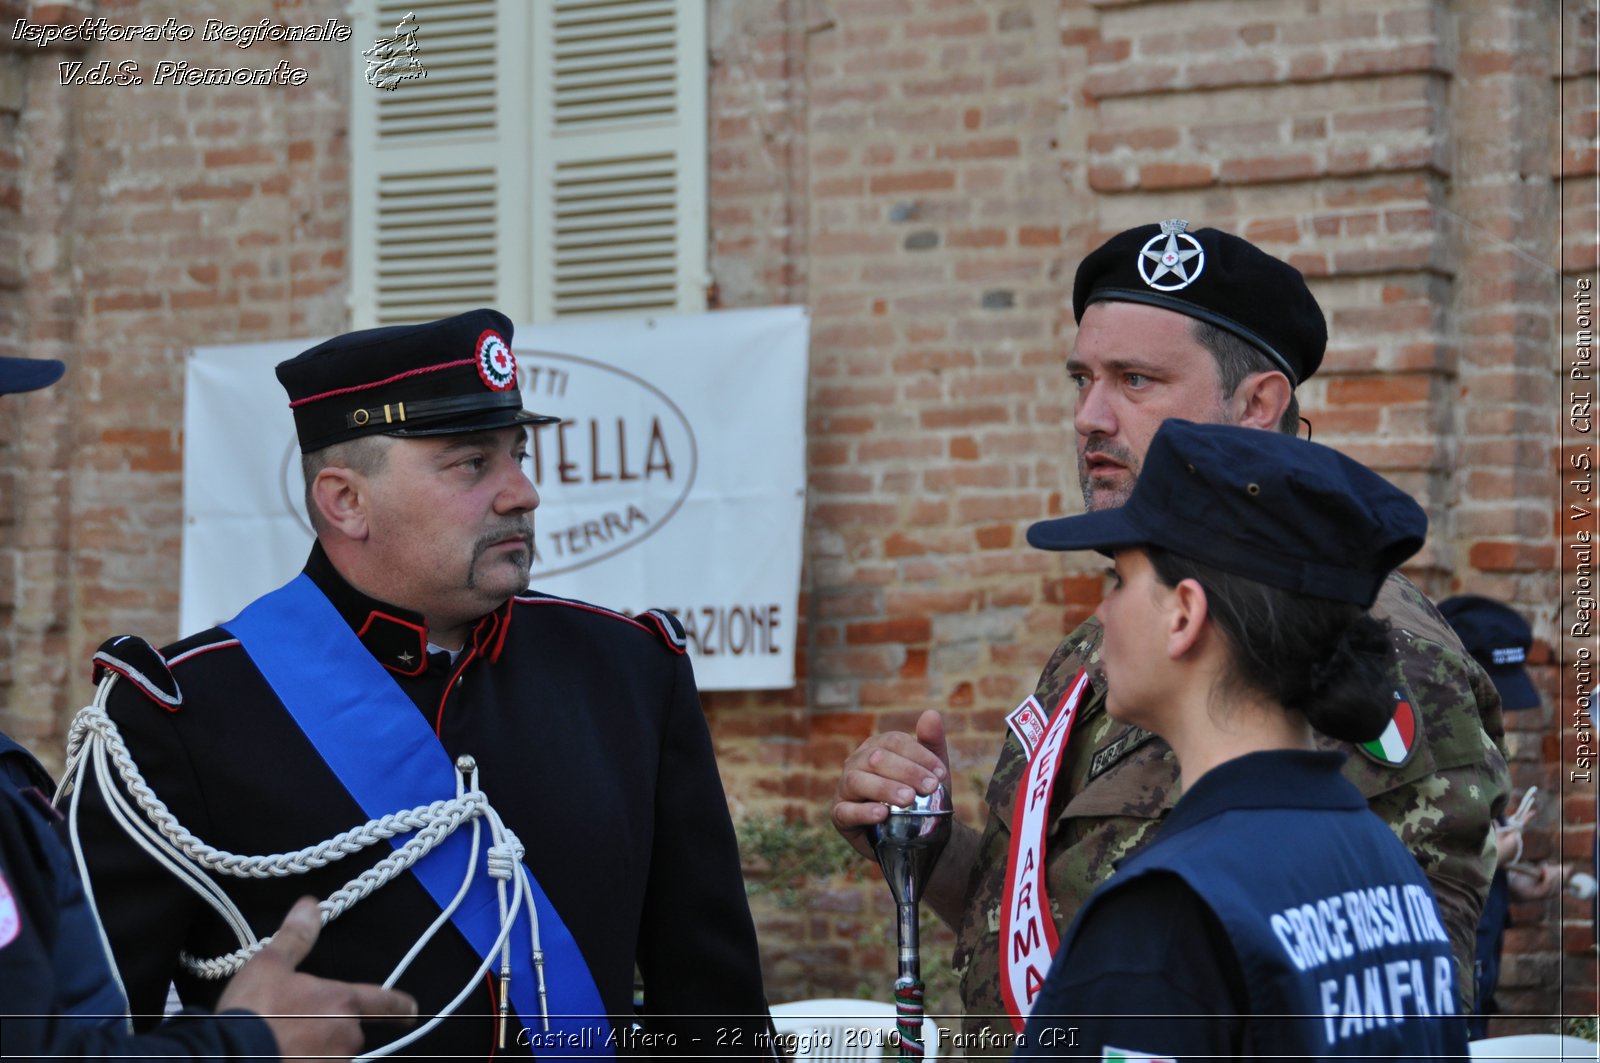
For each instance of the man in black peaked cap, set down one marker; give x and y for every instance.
(408, 664)
(1202, 325)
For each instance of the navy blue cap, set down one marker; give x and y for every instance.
(1279, 510)
(28, 374)
(1216, 277)
(442, 377)
(1499, 639)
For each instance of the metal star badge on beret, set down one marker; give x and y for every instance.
(1184, 261)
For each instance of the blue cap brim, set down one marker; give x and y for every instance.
(28, 374)
(1516, 689)
(1104, 530)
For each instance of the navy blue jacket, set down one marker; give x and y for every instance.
(59, 997)
(1273, 914)
(591, 743)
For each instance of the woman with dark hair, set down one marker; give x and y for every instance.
(1273, 914)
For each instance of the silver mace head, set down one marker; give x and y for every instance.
(909, 842)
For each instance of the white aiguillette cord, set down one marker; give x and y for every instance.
(94, 739)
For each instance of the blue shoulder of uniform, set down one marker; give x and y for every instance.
(20, 768)
(660, 624)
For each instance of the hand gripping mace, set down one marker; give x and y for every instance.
(908, 844)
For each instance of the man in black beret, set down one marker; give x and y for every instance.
(507, 801)
(1202, 325)
(60, 998)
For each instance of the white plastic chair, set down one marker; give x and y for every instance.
(844, 1030)
(1525, 1046)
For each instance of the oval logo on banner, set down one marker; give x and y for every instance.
(615, 469)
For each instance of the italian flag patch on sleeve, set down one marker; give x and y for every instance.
(1399, 740)
(1124, 1055)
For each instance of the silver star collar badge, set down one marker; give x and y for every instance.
(1175, 253)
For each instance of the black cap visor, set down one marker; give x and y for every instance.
(483, 421)
(1105, 530)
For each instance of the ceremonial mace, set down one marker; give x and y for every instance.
(908, 844)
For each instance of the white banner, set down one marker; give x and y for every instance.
(676, 478)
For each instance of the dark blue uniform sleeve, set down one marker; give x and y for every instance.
(697, 946)
(1150, 972)
(38, 975)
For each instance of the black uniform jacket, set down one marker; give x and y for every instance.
(591, 744)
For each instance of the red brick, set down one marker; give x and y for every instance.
(976, 238)
(234, 190)
(854, 726)
(993, 148)
(1412, 58)
(127, 301)
(1253, 71)
(915, 666)
(1510, 557)
(1380, 390)
(841, 513)
(1164, 175)
(1110, 179)
(922, 603)
(996, 537)
(249, 155)
(905, 629)
(969, 25)
(963, 416)
(1268, 168)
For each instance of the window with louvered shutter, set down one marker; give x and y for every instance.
(552, 161)
(620, 158)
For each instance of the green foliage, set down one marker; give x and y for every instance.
(791, 858)
(1582, 1026)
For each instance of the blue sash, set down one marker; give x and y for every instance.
(349, 706)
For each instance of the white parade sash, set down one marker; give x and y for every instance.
(1028, 939)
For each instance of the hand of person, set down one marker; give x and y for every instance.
(1528, 883)
(309, 1016)
(1507, 842)
(888, 769)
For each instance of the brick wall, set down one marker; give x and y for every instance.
(924, 175)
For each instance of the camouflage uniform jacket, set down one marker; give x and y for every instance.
(1118, 781)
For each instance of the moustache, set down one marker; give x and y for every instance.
(522, 529)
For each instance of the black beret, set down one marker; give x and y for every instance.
(1213, 276)
(1499, 639)
(1275, 509)
(438, 378)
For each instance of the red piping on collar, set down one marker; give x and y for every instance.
(422, 641)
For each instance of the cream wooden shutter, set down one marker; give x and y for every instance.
(551, 162)
(619, 169)
(439, 203)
